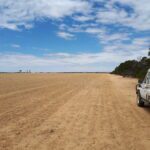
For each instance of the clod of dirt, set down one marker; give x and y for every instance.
(52, 131)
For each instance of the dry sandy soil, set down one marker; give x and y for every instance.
(71, 112)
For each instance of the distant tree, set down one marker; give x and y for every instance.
(149, 52)
(139, 58)
(20, 71)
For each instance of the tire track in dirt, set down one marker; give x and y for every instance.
(32, 120)
(131, 122)
(60, 121)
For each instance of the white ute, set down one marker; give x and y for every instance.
(143, 90)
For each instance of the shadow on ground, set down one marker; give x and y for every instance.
(147, 108)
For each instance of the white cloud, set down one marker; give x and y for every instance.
(105, 37)
(106, 60)
(22, 13)
(83, 18)
(94, 30)
(75, 28)
(15, 14)
(15, 46)
(137, 19)
(57, 62)
(112, 16)
(65, 35)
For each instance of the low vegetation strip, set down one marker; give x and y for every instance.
(133, 68)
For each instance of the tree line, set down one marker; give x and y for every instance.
(134, 68)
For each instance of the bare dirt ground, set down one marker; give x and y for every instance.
(71, 112)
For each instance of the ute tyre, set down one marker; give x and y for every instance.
(140, 102)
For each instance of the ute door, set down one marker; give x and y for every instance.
(147, 88)
(143, 90)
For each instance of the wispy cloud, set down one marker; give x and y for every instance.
(65, 35)
(15, 14)
(23, 13)
(83, 18)
(15, 46)
(115, 12)
(101, 61)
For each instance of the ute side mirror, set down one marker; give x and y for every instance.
(140, 81)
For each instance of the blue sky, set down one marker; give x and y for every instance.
(72, 35)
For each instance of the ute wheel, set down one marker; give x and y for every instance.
(140, 102)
